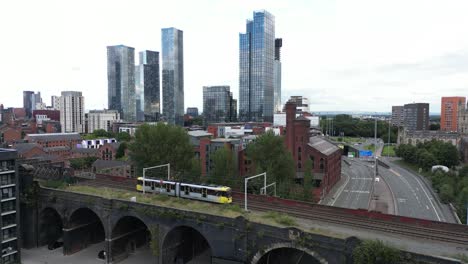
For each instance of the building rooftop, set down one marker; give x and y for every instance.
(85, 150)
(199, 133)
(54, 136)
(59, 148)
(25, 147)
(224, 140)
(322, 145)
(105, 164)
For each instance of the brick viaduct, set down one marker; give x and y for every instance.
(174, 236)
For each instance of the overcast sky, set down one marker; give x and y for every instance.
(344, 55)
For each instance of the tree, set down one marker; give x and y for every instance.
(308, 181)
(123, 136)
(161, 144)
(270, 155)
(375, 252)
(224, 167)
(121, 150)
(446, 193)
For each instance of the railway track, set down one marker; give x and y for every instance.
(331, 216)
(324, 214)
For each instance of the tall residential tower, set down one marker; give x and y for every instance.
(277, 75)
(147, 86)
(173, 75)
(121, 81)
(256, 69)
(450, 109)
(72, 118)
(218, 104)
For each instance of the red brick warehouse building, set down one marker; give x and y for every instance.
(325, 157)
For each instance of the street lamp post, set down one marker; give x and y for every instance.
(388, 145)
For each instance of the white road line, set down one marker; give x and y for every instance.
(342, 188)
(430, 200)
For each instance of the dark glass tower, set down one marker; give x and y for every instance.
(256, 68)
(277, 75)
(121, 81)
(147, 86)
(173, 75)
(217, 104)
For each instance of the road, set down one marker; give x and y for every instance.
(413, 198)
(355, 192)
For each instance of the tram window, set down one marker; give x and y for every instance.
(168, 187)
(204, 192)
(186, 190)
(152, 186)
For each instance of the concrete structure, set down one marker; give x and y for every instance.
(256, 69)
(114, 167)
(416, 116)
(421, 136)
(173, 75)
(55, 102)
(147, 86)
(192, 111)
(324, 157)
(102, 119)
(450, 108)
(53, 115)
(398, 115)
(463, 120)
(302, 104)
(9, 209)
(218, 104)
(121, 81)
(277, 75)
(72, 118)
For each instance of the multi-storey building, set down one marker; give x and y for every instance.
(192, 111)
(9, 207)
(30, 101)
(218, 104)
(147, 86)
(449, 111)
(277, 75)
(302, 104)
(256, 68)
(173, 75)
(102, 119)
(397, 115)
(55, 102)
(72, 118)
(121, 81)
(416, 116)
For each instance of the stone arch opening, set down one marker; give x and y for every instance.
(50, 227)
(84, 229)
(183, 244)
(287, 253)
(129, 234)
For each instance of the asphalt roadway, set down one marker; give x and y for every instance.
(412, 196)
(355, 192)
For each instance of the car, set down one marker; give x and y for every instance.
(55, 244)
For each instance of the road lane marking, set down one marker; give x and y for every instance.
(356, 191)
(430, 200)
(342, 188)
(357, 178)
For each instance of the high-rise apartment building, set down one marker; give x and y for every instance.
(277, 75)
(147, 86)
(218, 104)
(30, 101)
(9, 208)
(102, 119)
(55, 102)
(256, 69)
(397, 115)
(173, 75)
(121, 81)
(449, 111)
(72, 118)
(416, 116)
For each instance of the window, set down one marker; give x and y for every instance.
(299, 165)
(322, 164)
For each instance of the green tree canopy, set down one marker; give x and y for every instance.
(123, 136)
(160, 144)
(375, 252)
(224, 169)
(270, 155)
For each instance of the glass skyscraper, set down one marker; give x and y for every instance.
(173, 75)
(277, 75)
(147, 86)
(121, 81)
(218, 104)
(256, 68)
